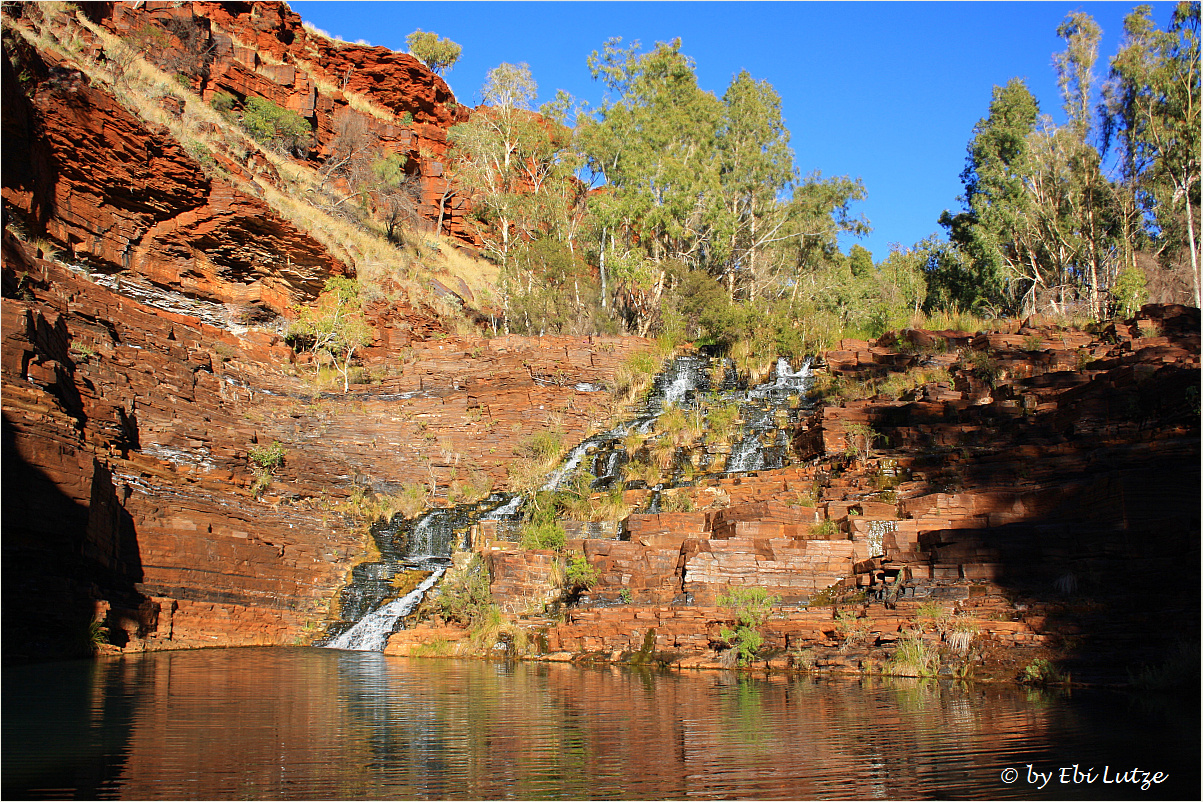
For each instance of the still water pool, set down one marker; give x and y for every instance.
(299, 723)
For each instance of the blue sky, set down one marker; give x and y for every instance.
(886, 91)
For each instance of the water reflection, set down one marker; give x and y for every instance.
(313, 723)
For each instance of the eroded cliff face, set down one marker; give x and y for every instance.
(128, 488)
(123, 197)
(1046, 492)
(263, 50)
(142, 361)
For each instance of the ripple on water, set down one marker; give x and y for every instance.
(313, 723)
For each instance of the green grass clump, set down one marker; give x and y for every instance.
(464, 595)
(579, 574)
(751, 607)
(913, 657)
(825, 530)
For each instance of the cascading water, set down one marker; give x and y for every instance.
(372, 631)
(747, 455)
(428, 543)
(685, 375)
(763, 404)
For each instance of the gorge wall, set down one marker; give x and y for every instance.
(128, 487)
(1036, 502)
(1044, 493)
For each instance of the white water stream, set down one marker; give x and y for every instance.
(372, 631)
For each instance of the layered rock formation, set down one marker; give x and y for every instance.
(128, 487)
(1037, 503)
(1044, 495)
(122, 197)
(263, 50)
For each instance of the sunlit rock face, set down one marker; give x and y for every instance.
(128, 425)
(263, 50)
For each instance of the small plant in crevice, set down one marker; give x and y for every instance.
(751, 608)
(493, 630)
(959, 635)
(541, 529)
(676, 502)
(825, 530)
(579, 575)
(850, 628)
(1178, 671)
(437, 646)
(982, 366)
(859, 439)
(624, 595)
(96, 636)
(265, 461)
(931, 611)
(464, 595)
(803, 659)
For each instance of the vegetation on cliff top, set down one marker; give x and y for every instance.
(668, 210)
(700, 225)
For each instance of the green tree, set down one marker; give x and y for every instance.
(394, 194)
(278, 127)
(1087, 194)
(517, 165)
(654, 147)
(1152, 112)
(438, 54)
(751, 608)
(488, 153)
(551, 290)
(995, 228)
(952, 280)
(756, 168)
(900, 288)
(335, 325)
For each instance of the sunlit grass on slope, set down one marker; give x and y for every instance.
(381, 267)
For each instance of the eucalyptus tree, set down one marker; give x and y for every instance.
(516, 165)
(507, 156)
(756, 166)
(439, 54)
(1088, 196)
(995, 228)
(653, 145)
(1152, 115)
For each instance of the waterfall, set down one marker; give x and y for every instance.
(567, 467)
(435, 534)
(607, 463)
(764, 400)
(787, 378)
(429, 542)
(746, 456)
(556, 478)
(681, 385)
(505, 511)
(673, 386)
(372, 631)
(785, 381)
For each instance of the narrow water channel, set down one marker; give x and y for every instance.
(306, 723)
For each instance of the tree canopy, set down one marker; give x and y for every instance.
(439, 54)
(668, 209)
(1046, 223)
